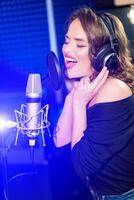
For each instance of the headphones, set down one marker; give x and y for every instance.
(107, 55)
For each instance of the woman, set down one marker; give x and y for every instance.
(98, 113)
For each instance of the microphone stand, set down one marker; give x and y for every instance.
(4, 166)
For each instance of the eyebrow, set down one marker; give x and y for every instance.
(77, 39)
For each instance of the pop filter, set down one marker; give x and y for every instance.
(54, 70)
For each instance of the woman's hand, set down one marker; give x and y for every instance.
(86, 90)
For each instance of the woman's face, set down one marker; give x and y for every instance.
(76, 52)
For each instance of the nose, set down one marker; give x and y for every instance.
(67, 48)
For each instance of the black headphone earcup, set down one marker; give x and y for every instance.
(105, 57)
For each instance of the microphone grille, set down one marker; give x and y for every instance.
(34, 88)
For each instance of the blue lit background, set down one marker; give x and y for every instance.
(24, 44)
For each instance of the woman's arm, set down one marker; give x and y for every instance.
(63, 129)
(79, 122)
(83, 94)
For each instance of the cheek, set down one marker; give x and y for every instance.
(84, 58)
(85, 61)
(83, 54)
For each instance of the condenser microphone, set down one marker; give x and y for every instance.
(33, 106)
(31, 119)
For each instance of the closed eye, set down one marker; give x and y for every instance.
(81, 46)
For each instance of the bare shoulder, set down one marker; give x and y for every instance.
(113, 90)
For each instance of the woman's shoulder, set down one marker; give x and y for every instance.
(113, 90)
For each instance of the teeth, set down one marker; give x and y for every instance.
(70, 60)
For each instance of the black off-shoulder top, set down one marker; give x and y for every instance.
(105, 153)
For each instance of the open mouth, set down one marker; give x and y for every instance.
(70, 62)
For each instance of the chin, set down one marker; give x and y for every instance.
(71, 75)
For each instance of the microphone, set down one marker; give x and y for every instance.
(31, 119)
(33, 106)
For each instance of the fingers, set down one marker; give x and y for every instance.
(99, 77)
(87, 89)
(101, 83)
(84, 80)
(97, 80)
(96, 84)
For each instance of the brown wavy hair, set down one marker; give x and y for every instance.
(98, 35)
